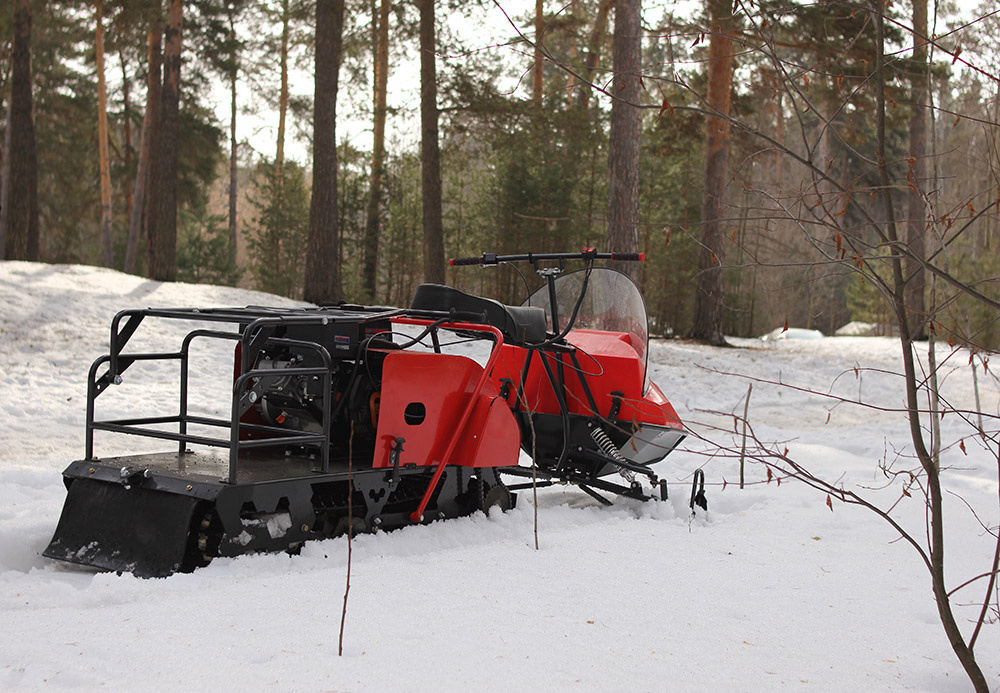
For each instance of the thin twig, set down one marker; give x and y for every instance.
(534, 465)
(993, 579)
(743, 446)
(350, 531)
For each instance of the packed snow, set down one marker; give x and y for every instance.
(771, 589)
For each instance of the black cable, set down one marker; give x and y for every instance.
(524, 280)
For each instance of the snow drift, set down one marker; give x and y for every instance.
(769, 589)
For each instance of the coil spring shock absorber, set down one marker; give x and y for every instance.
(611, 450)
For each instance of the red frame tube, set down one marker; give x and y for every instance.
(418, 514)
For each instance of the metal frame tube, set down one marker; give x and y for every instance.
(417, 515)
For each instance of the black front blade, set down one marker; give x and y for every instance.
(135, 530)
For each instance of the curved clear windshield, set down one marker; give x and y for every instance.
(612, 304)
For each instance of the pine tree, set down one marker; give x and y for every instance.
(162, 246)
(278, 231)
(380, 39)
(626, 125)
(148, 159)
(711, 279)
(917, 220)
(102, 139)
(19, 228)
(430, 150)
(322, 280)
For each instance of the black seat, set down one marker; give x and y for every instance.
(522, 324)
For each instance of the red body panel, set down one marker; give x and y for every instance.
(474, 411)
(609, 364)
(442, 386)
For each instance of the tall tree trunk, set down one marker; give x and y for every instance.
(372, 220)
(917, 213)
(322, 280)
(233, 160)
(4, 180)
(537, 72)
(623, 149)
(163, 246)
(126, 128)
(148, 143)
(710, 294)
(573, 53)
(102, 141)
(20, 228)
(430, 151)
(279, 152)
(594, 50)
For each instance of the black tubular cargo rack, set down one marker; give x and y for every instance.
(257, 327)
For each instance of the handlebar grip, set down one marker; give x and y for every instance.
(629, 257)
(485, 260)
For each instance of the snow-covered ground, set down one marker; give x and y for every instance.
(771, 589)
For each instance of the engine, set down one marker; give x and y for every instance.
(293, 400)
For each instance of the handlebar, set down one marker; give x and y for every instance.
(488, 259)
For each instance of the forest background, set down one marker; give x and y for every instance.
(780, 164)
(522, 104)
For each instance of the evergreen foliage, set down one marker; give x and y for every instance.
(519, 175)
(352, 193)
(279, 228)
(203, 249)
(670, 210)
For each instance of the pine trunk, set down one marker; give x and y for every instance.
(102, 141)
(279, 152)
(573, 54)
(623, 149)
(322, 280)
(538, 71)
(147, 144)
(163, 245)
(4, 180)
(594, 50)
(126, 128)
(917, 213)
(710, 293)
(430, 151)
(233, 160)
(20, 228)
(373, 220)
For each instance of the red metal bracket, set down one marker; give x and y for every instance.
(418, 514)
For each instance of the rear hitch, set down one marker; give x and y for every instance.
(698, 491)
(131, 477)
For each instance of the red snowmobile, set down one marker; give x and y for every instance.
(365, 418)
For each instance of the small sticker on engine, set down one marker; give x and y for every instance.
(341, 341)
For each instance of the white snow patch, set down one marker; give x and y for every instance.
(769, 590)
